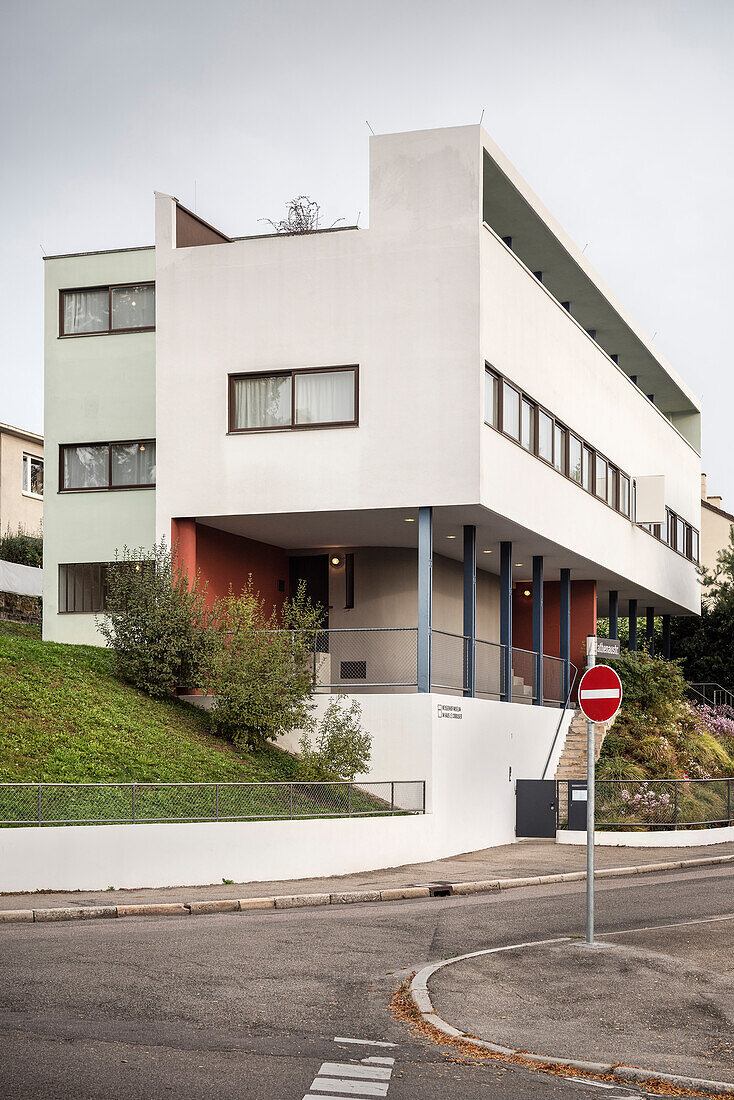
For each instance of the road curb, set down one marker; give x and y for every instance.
(421, 999)
(347, 897)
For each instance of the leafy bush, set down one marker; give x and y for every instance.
(260, 666)
(21, 548)
(340, 746)
(704, 645)
(155, 621)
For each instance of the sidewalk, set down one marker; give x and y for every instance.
(525, 859)
(660, 999)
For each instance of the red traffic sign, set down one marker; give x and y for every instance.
(600, 693)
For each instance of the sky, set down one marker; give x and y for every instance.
(617, 113)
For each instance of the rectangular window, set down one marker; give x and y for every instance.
(601, 478)
(105, 309)
(510, 411)
(527, 427)
(680, 535)
(133, 307)
(545, 436)
(491, 398)
(94, 466)
(33, 475)
(325, 397)
(587, 477)
(559, 448)
(132, 465)
(671, 530)
(82, 588)
(612, 475)
(574, 458)
(305, 398)
(694, 544)
(624, 495)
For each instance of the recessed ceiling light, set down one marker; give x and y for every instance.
(408, 519)
(518, 564)
(486, 551)
(451, 536)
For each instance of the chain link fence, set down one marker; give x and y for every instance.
(657, 803)
(146, 803)
(352, 658)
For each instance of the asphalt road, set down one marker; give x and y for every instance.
(249, 1005)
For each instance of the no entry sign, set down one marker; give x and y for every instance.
(600, 693)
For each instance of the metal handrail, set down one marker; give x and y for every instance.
(700, 690)
(571, 683)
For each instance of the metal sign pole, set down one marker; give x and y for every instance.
(590, 809)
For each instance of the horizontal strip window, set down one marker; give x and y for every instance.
(91, 467)
(513, 413)
(676, 533)
(33, 475)
(98, 310)
(313, 398)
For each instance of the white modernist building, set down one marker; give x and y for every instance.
(444, 423)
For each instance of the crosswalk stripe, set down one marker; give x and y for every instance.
(353, 1088)
(363, 1042)
(346, 1069)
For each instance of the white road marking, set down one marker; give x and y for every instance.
(363, 1042)
(354, 1088)
(347, 1069)
(378, 1061)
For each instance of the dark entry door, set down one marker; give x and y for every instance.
(314, 570)
(535, 807)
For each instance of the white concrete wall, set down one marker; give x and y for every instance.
(470, 765)
(97, 389)
(663, 838)
(528, 337)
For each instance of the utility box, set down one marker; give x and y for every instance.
(577, 801)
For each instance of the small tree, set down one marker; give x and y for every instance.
(155, 620)
(260, 667)
(340, 747)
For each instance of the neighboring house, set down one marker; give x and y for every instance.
(716, 525)
(444, 423)
(21, 480)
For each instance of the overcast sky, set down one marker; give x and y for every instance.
(617, 112)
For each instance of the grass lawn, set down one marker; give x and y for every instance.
(65, 718)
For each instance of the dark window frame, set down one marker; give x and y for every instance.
(670, 539)
(109, 331)
(98, 585)
(109, 487)
(340, 368)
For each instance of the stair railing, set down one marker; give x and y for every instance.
(566, 701)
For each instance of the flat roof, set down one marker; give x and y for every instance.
(8, 429)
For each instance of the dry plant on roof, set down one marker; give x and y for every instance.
(303, 216)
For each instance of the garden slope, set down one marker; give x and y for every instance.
(64, 717)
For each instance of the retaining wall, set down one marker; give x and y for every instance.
(658, 838)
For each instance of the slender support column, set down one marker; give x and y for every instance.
(425, 596)
(650, 630)
(538, 625)
(565, 638)
(614, 614)
(666, 637)
(506, 618)
(633, 626)
(470, 608)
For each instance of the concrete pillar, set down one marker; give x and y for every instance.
(425, 596)
(614, 614)
(565, 638)
(538, 625)
(470, 608)
(633, 626)
(506, 618)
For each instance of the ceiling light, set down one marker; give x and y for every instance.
(486, 551)
(451, 536)
(408, 519)
(518, 564)
(526, 592)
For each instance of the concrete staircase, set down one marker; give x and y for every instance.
(572, 764)
(521, 692)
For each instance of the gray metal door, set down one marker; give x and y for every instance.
(535, 807)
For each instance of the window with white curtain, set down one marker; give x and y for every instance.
(105, 309)
(93, 466)
(32, 475)
(301, 398)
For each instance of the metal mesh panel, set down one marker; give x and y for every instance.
(666, 802)
(524, 675)
(449, 661)
(553, 680)
(367, 658)
(107, 803)
(489, 668)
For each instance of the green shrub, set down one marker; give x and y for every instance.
(21, 548)
(340, 745)
(155, 621)
(260, 666)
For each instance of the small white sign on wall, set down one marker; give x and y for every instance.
(445, 711)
